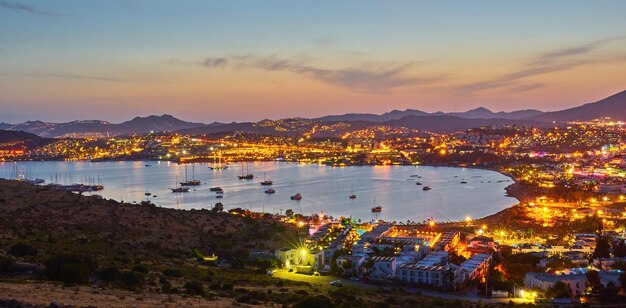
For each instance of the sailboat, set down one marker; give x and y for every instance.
(219, 165)
(267, 181)
(179, 189)
(352, 195)
(245, 175)
(147, 193)
(376, 208)
(193, 181)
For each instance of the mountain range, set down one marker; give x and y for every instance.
(333, 125)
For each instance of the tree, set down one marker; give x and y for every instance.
(619, 249)
(219, 207)
(622, 281)
(593, 277)
(603, 248)
(289, 213)
(558, 264)
(559, 290)
(609, 294)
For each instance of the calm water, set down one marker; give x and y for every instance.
(323, 188)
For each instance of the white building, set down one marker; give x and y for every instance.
(476, 267)
(384, 267)
(432, 270)
(576, 282)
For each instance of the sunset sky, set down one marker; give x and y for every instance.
(237, 60)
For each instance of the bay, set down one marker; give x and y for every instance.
(324, 189)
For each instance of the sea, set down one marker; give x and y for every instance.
(324, 189)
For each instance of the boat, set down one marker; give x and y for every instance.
(148, 165)
(219, 196)
(193, 181)
(464, 182)
(147, 193)
(270, 191)
(219, 166)
(267, 181)
(418, 183)
(296, 197)
(376, 208)
(414, 175)
(245, 175)
(216, 188)
(352, 195)
(180, 189)
(426, 188)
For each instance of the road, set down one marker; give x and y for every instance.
(325, 280)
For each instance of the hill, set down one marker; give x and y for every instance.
(19, 140)
(449, 124)
(131, 255)
(478, 113)
(96, 128)
(613, 106)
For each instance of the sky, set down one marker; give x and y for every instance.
(239, 60)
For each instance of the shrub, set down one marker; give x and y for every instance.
(69, 269)
(140, 269)
(172, 272)
(131, 280)
(194, 287)
(108, 274)
(21, 250)
(319, 301)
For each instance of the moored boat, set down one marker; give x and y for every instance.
(296, 197)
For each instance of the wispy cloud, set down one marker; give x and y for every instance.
(557, 60)
(526, 87)
(67, 76)
(369, 77)
(86, 77)
(11, 5)
(215, 62)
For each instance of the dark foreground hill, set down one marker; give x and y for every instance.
(123, 255)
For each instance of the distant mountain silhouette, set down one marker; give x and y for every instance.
(613, 106)
(138, 125)
(478, 113)
(449, 124)
(332, 125)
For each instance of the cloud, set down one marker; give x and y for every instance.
(548, 62)
(371, 77)
(215, 62)
(24, 8)
(526, 87)
(87, 77)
